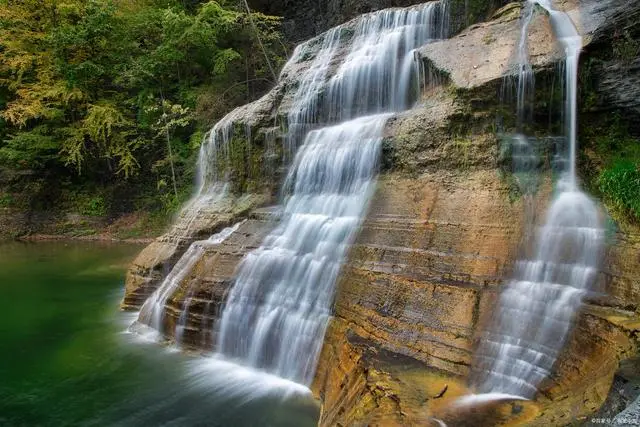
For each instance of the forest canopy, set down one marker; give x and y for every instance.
(94, 95)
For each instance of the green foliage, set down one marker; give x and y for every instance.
(97, 92)
(613, 158)
(461, 148)
(6, 200)
(620, 184)
(587, 79)
(468, 12)
(32, 149)
(613, 142)
(93, 206)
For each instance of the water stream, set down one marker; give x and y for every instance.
(525, 78)
(65, 360)
(539, 304)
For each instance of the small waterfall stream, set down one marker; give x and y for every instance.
(539, 304)
(152, 311)
(211, 184)
(525, 80)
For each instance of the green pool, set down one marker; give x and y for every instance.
(66, 358)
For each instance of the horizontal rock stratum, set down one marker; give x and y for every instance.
(443, 231)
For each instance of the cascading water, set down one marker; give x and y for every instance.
(380, 68)
(571, 41)
(524, 155)
(363, 67)
(210, 186)
(538, 306)
(277, 311)
(152, 311)
(525, 78)
(211, 179)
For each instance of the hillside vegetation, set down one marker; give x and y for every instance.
(100, 100)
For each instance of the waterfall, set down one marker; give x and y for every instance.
(277, 311)
(211, 185)
(525, 79)
(279, 306)
(213, 166)
(539, 304)
(363, 67)
(152, 311)
(571, 42)
(340, 89)
(380, 69)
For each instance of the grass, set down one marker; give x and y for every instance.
(620, 185)
(615, 170)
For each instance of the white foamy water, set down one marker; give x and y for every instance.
(538, 306)
(366, 66)
(213, 167)
(479, 399)
(525, 78)
(153, 310)
(240, 382)
(277, 311)
(571, 42)
(380, 72)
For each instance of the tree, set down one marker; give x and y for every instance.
(87, 87)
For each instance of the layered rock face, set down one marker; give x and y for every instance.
(156, 260)
(444, 229)
(193, 310)
(442, 235)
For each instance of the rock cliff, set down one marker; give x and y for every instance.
(441, 236)
(444, 229)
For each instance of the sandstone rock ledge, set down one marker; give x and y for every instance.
(411, 294)
(153, 264)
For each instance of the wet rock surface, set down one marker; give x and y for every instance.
(154, 263)
(201, 294)
(418, 286)
(444, 229)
